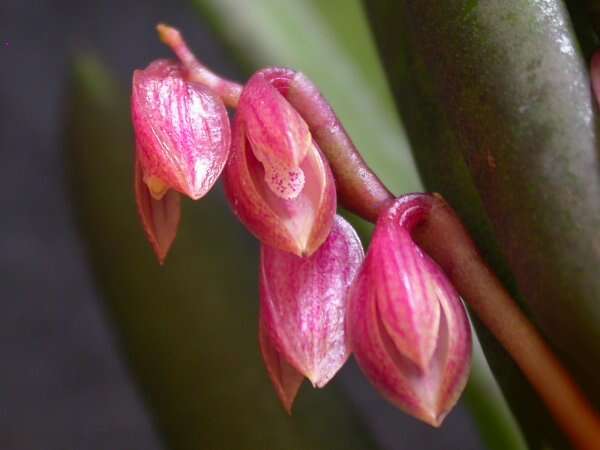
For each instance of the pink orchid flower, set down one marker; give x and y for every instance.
(182, 138)
(406, 324)
(278, 182)
(302, 310)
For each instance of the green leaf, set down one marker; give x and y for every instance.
(484, 399)
(190, 327)
(297, 34)
(303, 35)
(496, 100)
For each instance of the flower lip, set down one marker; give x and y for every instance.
(278, 136)
(297, 215)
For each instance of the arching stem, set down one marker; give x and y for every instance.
(359, 188)
(444, 238)
(229, 91)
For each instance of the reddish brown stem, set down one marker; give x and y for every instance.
(456, 253)
(359, 189)
(229, 91)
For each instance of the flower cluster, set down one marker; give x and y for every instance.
(321, 299)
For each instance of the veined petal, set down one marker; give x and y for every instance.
(382, 306)
(455, 336)
(427, 394)
(278, 135)
(404, 290)
(181, 127)
(299, 225)
(389, 372)
(160, 218)
(303, 302)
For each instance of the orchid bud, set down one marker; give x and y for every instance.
(302, 310)
(182, 144)
(277, 180)
(406, 324)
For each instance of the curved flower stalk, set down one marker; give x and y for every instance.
(278, 182)
(229, 91)
(302, 310)
(406, 324)
(182, 144)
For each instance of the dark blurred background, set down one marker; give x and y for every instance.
(63, 382)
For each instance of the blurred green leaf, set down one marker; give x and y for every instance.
(190, 327)
(496, 100)
(484, 399)
(304, 34)
(330, 42)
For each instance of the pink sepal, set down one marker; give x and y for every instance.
(406, 323)
(160, 218)
(182, 129)
(303, 303)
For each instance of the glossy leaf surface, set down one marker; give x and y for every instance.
(497, 103)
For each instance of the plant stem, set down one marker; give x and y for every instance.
(478, 286)
(358, 186)
(445, 239)
(229, 91)
(441, 235)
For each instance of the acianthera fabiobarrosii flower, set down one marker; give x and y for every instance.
(277, 180)
(406, 324)
(302, 310)
(182, 137)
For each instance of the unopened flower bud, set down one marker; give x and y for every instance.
(182, 137)
(407, 326)
(302, 312)
(277, 180)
